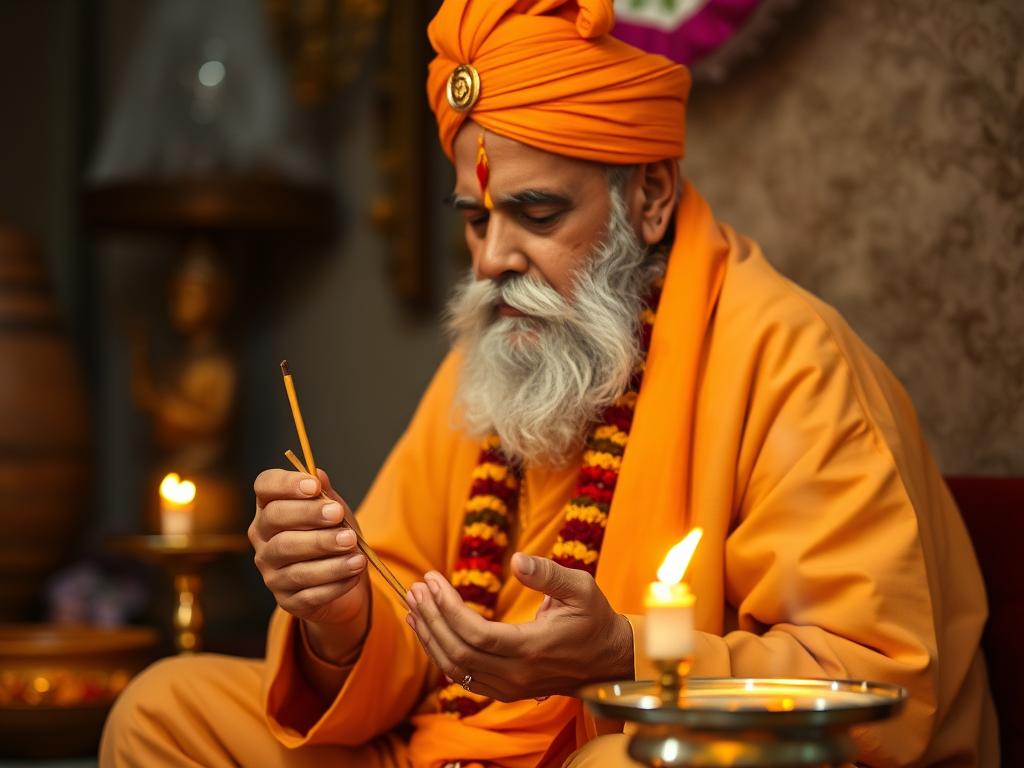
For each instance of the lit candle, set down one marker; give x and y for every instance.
(177, 502)
(669, 603)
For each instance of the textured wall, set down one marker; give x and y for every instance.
(876, 150)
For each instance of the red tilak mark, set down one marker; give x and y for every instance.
(483, 172)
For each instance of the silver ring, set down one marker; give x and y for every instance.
(466, 681)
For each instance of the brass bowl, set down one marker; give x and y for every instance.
(57, 684)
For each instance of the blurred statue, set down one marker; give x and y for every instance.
(192, 405)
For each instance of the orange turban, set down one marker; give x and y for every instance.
(548, 74)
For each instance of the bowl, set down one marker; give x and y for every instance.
(58, 682)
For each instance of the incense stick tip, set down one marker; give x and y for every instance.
(284, 368)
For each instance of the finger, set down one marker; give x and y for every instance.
(290, 547)
(295, 515)
(314, 573)
(542, 574)
(325, 483)
(426, 638)
(308, 603)
(452, 671)
(488, 669)
(491, 637)
(274, 484)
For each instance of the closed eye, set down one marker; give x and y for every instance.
(478, 221)
(550, 218)
(540, 222)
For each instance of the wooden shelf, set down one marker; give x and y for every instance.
(215, 204)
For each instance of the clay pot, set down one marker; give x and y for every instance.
(43, 435)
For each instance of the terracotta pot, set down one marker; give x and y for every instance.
(43, 436)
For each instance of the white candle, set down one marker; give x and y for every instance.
(669, 633)
(177, 503)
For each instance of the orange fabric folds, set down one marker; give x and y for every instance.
(552, 77)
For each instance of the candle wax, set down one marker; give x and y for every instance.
(177, 504)
(176, 520)
(669, 632)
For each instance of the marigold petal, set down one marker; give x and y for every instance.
(486, 531)
(588, 514)
(484, 579)
(575, 549)
(602, 459)
(489, 470)
(486, 501)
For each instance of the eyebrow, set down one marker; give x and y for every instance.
(462, 203)
(524, 197)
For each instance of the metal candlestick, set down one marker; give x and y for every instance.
(183, 556)
(770, 723)
(671, 682)
(189, 618)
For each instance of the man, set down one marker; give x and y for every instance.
(625, 368)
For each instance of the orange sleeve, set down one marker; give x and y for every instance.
(828, 566)
(402, 518)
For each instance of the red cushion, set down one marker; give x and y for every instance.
(993, 509)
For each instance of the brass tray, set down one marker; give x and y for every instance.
(748, 703)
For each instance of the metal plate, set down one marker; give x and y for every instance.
(748, 703)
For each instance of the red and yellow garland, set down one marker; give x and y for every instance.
(494, 501)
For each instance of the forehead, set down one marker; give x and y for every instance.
(514, 165)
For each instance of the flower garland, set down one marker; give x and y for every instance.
(494, 501)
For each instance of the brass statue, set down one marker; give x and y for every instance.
(191, 409)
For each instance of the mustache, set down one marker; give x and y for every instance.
(530, 295)
(534, 297)
(473, 309)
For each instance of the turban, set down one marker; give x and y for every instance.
(547, 73)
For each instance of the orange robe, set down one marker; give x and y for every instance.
(831, 547)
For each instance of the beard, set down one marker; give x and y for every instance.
(539, 381)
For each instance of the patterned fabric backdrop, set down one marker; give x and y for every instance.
(876, 151)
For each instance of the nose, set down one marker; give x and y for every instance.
(499, 253)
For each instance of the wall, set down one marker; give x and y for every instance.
(40, 127)
(876, 151)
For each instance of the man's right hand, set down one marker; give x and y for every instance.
(309, 561)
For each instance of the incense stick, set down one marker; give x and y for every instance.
(310, 467)
(364, 547)
(300, 426)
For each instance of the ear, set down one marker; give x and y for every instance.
(654, 198)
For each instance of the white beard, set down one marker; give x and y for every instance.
(539, 381)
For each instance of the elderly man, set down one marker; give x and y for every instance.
(624, 368)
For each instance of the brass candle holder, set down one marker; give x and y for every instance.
(672, 676)
(183, 556)
(769, 723)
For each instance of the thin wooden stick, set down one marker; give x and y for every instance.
(364, 547)
(300, 426)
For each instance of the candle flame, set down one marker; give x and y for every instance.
(678, 558)
(176, 490)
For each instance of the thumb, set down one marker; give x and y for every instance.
(326, 487)
(544, 575)
(325, 484)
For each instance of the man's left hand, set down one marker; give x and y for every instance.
(575, 638)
